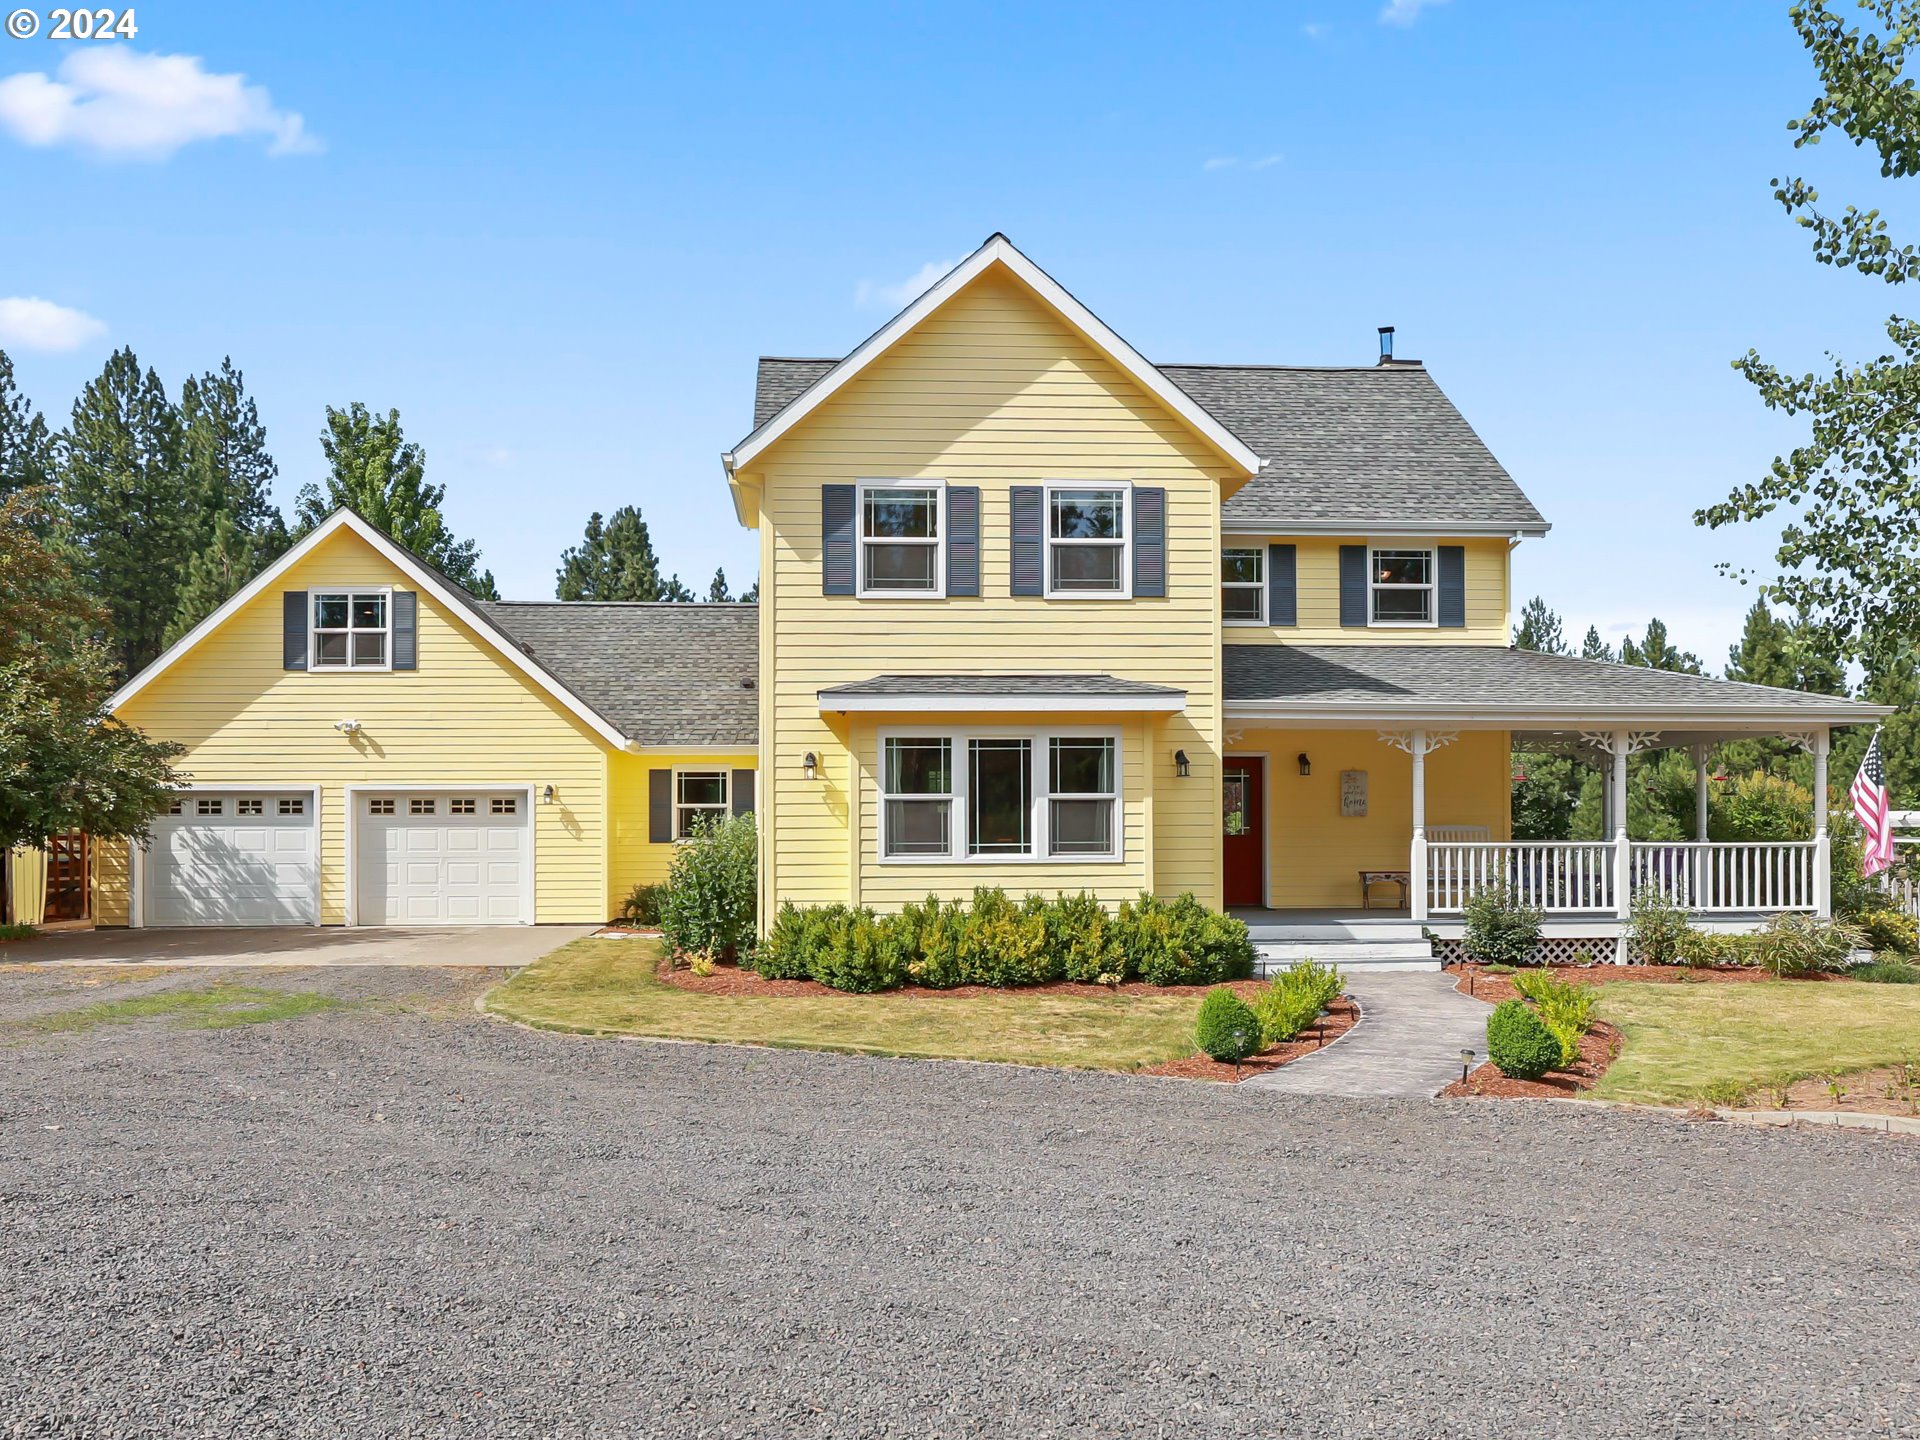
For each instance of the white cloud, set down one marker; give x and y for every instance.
(1265, 161)
(1234, 162)
(121, 103)
(30, 323)
(1221, 162)
(1405, 12)
(903, 293)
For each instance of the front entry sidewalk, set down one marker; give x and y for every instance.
(1408, 1042)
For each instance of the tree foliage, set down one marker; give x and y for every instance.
(62, 766)
(373, 469)
(27, 454)
(230, 474)
(1594, 648)
(1654, 652)
(1539, 629)
(615, 560)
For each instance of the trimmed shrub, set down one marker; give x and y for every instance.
(1888, 972)
(1294, 999)
(642, 905)
(1658, 927)
(1891, 932)
(1519, 1043)
(1565, 1009)
(1226, 1029)
(709, 904)
(1796, 944)
(1705, 949)
(1501, 928)
(1181, 942)
(1081, 937)
(1004, 944)
(861, 953)
(794, 938)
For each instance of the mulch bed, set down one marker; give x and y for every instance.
(1342, 1015)
(1598, 1047)
(1882, 1090)
(1475, 980)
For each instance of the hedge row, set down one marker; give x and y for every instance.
(999, 941)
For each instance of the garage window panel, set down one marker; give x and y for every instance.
(380, 807)
(504, 805)
(293, 807)
(209, 807)
(418, 806)
(461, 807)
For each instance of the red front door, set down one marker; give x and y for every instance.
(1244, 830)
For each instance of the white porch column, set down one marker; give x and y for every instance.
(1417, 865)
(1698, 877)
(1621, 746)
(1822, 847)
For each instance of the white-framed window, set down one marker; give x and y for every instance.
(998, 794)
(1089, 528)
(902, 535)
(504, 805)
(351, 630)
(1400, 588)
(697, 794)
(379, 807)
(293, 807)
(1243, 585)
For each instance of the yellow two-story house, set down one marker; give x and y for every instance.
(1036, 612)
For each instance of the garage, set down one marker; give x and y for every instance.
(234, 858)
(447, 857)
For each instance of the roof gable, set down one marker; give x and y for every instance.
(999, 252)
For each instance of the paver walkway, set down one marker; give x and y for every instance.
(1412, 1028)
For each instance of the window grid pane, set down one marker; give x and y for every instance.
(1000, 809)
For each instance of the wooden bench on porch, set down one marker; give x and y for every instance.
(1440, 834)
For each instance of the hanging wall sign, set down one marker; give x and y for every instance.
(1353, 794)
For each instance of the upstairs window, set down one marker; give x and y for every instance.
(351, 630)
(1087, 534)
(1400, 587)
(900, 533)
(1243, 587)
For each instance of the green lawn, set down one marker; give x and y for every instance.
(609, 987)
(1682, 1040)
(219, 1006)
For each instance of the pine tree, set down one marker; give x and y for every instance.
(751, 597)
(614, 561)
(1593, 647)
(673, 590)
(376, 471)
(231, 473)
(717, 592)
(26, 445)
(1655, 653)
(131, 513)
(1539, 629)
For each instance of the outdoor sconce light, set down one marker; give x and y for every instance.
(546, 796)
(810, 767)
(1180, 764)
(1466, 1063)
(1306, 765)
(347, 727)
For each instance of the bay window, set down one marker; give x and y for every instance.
(1087, 535)
(1015, 796)
(1243, 586)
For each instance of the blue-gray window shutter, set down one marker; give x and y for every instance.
(293, 630)
(660, 806)
(1451, 611)
(406, 644)
(740, 791)
(1353, 585)
(1283, 605)
(1149, 541)
(963, 540)
(1029, 550)
(836, 539)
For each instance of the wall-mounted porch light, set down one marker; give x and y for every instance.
(1180, 765)
(546, 795)
(1306, 765)
(810, 767)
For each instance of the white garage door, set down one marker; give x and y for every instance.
(234, 859)
(460, 857)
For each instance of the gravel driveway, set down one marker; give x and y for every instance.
(397, 1218)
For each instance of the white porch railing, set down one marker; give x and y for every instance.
(1555, 875)
(1711, 877)
(1565, 876)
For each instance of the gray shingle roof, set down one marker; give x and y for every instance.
(1438, 678)
(1067, 684)
(1346, 447)
(661, 674)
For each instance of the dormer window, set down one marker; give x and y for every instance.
(1400, 587)
(1087, 533)
(351, 629)
(901, 528)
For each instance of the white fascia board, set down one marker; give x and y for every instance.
(1001, 704)
(414, 571)
(1387, 530)
(1569, 717)
(999, 251)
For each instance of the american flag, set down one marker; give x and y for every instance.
(1869, 796)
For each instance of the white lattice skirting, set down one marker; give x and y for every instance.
(1552, 950)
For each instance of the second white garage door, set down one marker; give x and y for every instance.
(458, 857)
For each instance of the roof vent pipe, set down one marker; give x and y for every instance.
(1386, 344)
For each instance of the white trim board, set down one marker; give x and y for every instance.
(998, 250)
(1001, 704)
(420, 575)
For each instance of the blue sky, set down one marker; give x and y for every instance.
(556, 239)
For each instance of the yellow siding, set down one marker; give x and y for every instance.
(462, 717)
(991, 390)
(1315, 854)
(1317, 575)
(633, 858)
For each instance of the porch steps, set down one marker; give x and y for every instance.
(1348, 954)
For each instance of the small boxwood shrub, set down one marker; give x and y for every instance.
(1501, 928)
(793, 939)
(1519, 1043)
(709, 905)
(1226, 1030)
(1082, 937)
(860, 953)
(1889, 932)
(1181, 942)
(1294, 999)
